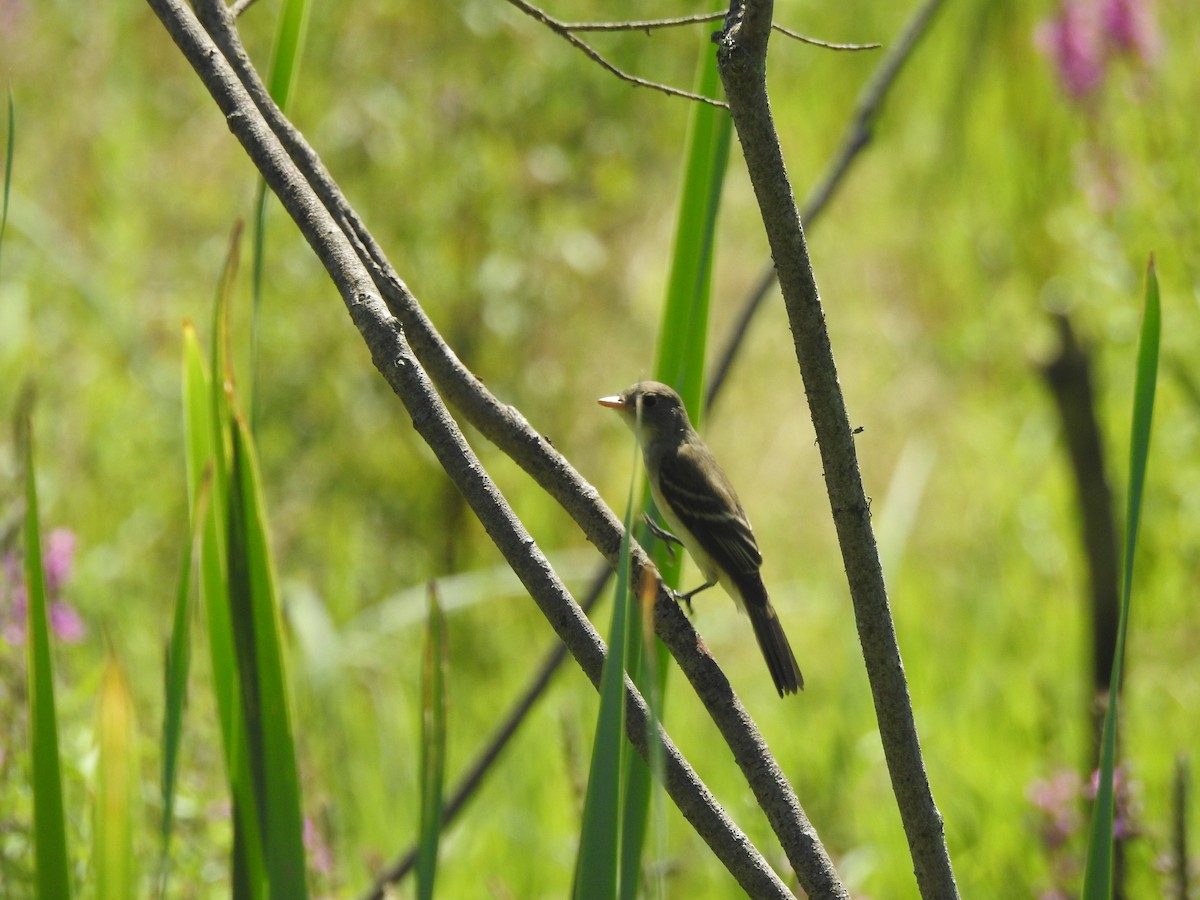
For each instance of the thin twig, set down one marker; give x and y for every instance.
(240, 6)
(742, 64)
(645, 24)
(855, 139)
(828, 45)
(648, 25)
(562, 31)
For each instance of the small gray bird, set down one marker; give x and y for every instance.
(696, 498)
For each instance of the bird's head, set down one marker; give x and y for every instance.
(652, 409)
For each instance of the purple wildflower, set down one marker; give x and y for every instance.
(1057, 798)
(58, 559)
(1129, 27)
(57, 562)
(1124, 803)
(1073, 41)
(1086, 35)
(66, 622)
(320, 855)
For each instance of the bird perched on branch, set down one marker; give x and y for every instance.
(697, 500)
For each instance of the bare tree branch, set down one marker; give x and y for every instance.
(564, 32)
(357, 267)
(742, 62)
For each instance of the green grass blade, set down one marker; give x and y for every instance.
(49, 825)
(178, 665)
(221, 364)
(263, 685)
(597, 867)
(1098, 877)
(8, 164)
(288, 49)
(206, 412)
(652, 657)
(1143, 411)
(433, 745)
(684, 328)
(258, 254)
(116, 789)
(204, 448)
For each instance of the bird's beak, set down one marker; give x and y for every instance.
(612, 402)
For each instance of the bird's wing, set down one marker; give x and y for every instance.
(704, 501)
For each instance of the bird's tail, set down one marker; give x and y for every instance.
(771, 640)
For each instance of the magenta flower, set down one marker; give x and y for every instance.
(66, 622)
(12, 599)
(1074, 43)
(320, 854)
(58, 558)
(1057, 798)
(1125, 805)
(1129, 27)
(1086, 35)
(57, 562)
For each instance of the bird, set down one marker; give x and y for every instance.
(697, 500)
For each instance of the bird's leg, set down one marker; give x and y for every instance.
(687, 598)
(663, 535)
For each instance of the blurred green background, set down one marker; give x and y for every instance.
(527, 199)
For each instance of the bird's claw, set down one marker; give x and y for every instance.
(668, 539)
(685, 599)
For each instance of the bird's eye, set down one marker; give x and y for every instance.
(649, 400)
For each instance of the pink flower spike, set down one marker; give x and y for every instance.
(14, 627)
(66, 622)
(1073, 42)
(1129, 27)
(319, 853)
(11, 568)
(58, 558)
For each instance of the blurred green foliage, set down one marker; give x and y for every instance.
(526, 197)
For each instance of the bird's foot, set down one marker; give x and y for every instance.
(663, 535)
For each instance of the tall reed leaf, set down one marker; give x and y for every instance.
(116, 789)
(435, 661)
(265, 702)
(49, 828)
(207, 414)
(682, 339)
(1098, 878)
(683, 331)
(177, 667)
(597, 867)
